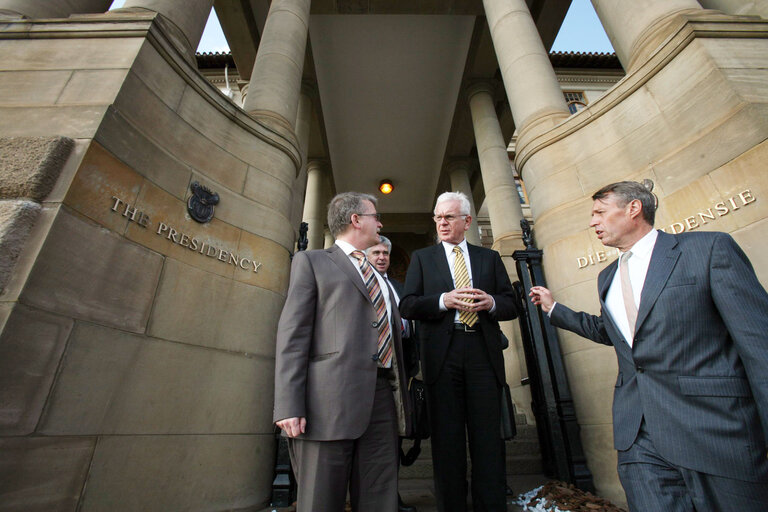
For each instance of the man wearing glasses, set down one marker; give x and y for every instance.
(459, 293)
(340, 388)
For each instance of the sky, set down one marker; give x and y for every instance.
(581, 31)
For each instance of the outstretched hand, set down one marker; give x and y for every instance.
(542, 297)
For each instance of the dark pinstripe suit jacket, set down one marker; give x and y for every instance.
(698, 368)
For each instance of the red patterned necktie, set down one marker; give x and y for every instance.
(377, 298)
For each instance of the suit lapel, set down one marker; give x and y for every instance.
(476, 264)
(441, 264)
(663, 259)
(604, 281)
(348, 268)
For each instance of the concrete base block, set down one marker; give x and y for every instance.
(16, 221)
(29, 166)
(31, 346)
(163, 473)
(39, 474)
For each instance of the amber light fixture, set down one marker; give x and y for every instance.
(386, 187)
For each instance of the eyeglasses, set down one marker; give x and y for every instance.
(377, 215)
(448, 218)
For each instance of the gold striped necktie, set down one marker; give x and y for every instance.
(461, 276)
(384, 347)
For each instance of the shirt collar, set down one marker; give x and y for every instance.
(347, 247)
(643, 247)
(448, 247)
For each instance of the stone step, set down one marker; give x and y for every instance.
(516, 447)
(523, 455)
(516, 465)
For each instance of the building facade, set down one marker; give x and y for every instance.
(147, 219)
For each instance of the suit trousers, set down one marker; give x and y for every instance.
(653, 484)
(367, 465)
(465, 401)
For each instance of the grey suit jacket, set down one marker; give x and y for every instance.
(325, 368)
(698, 368)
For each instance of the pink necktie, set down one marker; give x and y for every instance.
(626, 292)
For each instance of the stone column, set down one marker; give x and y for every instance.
(188, 18)
(303, 120)
(458, 171)
(50, 8)
(315, 203)
(738, 7)
(636, 28)
(500, 190)
(532, 89)
(505, 213)
(273, 94)
(329, 240)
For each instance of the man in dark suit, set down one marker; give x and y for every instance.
(459, 293)
(340, 388)
(379, 256)
(688, 320)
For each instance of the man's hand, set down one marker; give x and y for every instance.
(293, 426)
(460, 299)
(542, 297)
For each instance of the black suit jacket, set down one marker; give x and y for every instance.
(410, 342)
(428, 277)
(696, 371)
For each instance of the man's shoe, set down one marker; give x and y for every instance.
(402, 507)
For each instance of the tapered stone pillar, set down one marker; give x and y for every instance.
(500, 189)
(51, 9)
(188, 18)
(329, 240)
(315, 203)
(458, 171)
(738, 7)
(505, 214)
(303, 120)
(637, 28)
(533, 92)
(273, 94)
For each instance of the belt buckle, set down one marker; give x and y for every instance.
(466, 328)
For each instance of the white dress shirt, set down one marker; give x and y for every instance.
(637, 265)
(348, 249)
(448, 247)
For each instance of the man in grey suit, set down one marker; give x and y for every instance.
(339, 382)
(688, 320)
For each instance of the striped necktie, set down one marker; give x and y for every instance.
(461, 277)
(377, 298)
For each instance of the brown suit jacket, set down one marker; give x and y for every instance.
(325, 367)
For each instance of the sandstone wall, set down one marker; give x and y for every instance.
(136, 345)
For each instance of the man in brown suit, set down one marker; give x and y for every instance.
(340, 390)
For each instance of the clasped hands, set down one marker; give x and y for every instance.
(460, 299)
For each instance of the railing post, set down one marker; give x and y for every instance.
(552, 403)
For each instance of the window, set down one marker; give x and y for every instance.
(575, 100)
